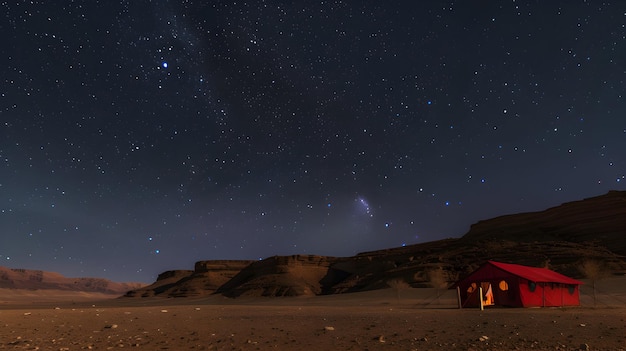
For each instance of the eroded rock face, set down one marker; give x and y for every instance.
(165, 281)
(220, 265)
(176, 274)
(206, 277)
(296, 275)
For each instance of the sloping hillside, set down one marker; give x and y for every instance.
(600, 219)
(16, 278)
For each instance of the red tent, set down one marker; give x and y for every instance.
(506, 284)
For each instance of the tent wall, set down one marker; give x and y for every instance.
(531, 293)
(570, 295)
(469, 299)
(509, 297)
(549, 294)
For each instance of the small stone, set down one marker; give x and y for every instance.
(110, 326)
(381, 339)
(329, 328)
(424, 339)
(583, 325)
(584, 347)
(483, 338)
(163, 311)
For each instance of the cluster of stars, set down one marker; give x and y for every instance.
(237, 130)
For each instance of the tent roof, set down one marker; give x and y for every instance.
(539, 275)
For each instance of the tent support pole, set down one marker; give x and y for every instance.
(480, 296)
(458, 297)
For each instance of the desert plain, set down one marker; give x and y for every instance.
(388, 319)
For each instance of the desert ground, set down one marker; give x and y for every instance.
(390, 319)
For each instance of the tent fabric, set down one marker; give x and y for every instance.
(537, 275)
(518, 286)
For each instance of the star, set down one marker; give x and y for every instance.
(289, 130)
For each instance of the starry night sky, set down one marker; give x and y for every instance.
(138, 137)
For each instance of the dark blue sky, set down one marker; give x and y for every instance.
(137, 137)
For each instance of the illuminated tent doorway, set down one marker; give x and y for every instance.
(505, 284)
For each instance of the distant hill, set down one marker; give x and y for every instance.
(205, 279)
(559, 238)
(27, 279)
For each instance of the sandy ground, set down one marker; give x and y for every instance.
(412, 319)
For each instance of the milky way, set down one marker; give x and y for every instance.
(138, 137)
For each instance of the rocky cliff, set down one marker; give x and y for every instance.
(600, 219)
(295, 275)
(205, 279)
(560, 238)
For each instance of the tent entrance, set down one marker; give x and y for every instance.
(482, 291)
(487, 294)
